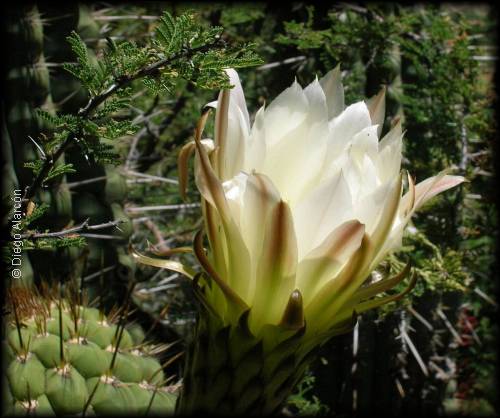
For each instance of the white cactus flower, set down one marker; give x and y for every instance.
(301, 205)
(306, 198)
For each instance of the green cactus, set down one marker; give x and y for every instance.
(97, 367)
(28, 88)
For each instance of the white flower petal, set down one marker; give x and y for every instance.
(235, 149)
(285, 113)
(432, 186)
(343, 128)
(295, 163)
(321, 211)
(376, 106)
(238, 98)
(255, 154)
(334, 92)
(260, 198)
(275, 278)
(388, 161)
(318, 110)
(323, 262)
(234, 190)
(365, 142)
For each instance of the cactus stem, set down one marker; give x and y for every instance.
(124, 312)
(115, 352)
(29, 405)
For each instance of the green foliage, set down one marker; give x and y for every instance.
(303, 35)
(36, 214)
(439, 75)
(83, 70)
(55, 171)
(243, 13)
(59, 170)
(56, 242)
(204, 65)
(302, 400)
(173, 35)
(437, 270)
(181, 49)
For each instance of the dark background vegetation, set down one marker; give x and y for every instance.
(433, 353)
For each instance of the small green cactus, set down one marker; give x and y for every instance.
(65, 358)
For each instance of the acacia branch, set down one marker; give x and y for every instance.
(86, 112)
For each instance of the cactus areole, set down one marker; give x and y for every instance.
(299, 208)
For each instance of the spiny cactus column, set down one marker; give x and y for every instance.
(27, 83)
(64, 358)
(28, 88)
(9, 184)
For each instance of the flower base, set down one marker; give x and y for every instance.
(229, 371)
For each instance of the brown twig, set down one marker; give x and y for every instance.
(84, 226)
(101, 236)
(160, 241)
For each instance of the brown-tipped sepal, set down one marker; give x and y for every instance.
(293, 317)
